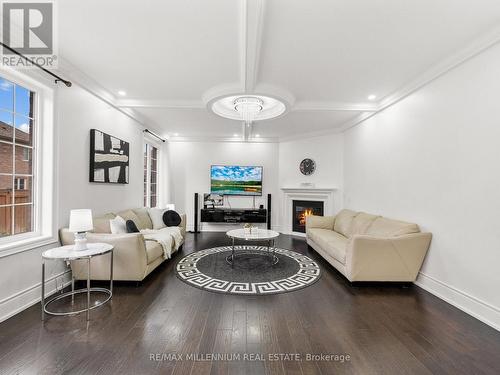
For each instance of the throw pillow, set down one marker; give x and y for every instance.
(131, 227)
(131, 215)
(144, 218)
(171, 218)
(118, 225)
(156, 215)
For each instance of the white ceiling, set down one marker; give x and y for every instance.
(322, 57)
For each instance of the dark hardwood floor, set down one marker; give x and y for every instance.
(383, 329)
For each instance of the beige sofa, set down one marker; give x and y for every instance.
(134, 257)
(366, 247)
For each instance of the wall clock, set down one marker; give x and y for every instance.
(307, 167)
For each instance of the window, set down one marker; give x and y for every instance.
(16, 164)
(19, 183)
(151, 154)
(26, 154)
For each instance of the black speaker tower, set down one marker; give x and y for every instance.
(268, 211)
(196, 210)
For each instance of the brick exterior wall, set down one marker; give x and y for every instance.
(22, 213)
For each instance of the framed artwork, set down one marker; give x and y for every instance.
(109, 158)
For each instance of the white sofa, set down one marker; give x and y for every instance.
(365, 247)
(134, 257)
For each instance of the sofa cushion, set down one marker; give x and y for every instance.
(391, 228)
(315, 233)
(153, 250)
(101, 223)
(129, 215)
(144, 219)
(361, 222)
(343, 222)
(331, 242)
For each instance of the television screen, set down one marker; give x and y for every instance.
(236, 180)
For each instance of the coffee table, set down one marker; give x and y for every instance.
(256, 235)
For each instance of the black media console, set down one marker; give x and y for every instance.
(235, 215)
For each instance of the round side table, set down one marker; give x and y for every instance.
(67, 253)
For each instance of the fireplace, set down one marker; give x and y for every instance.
(302, 209)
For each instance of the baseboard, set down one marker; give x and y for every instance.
(473, 306)
(30, 296)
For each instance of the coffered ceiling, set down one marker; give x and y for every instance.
(322, 58)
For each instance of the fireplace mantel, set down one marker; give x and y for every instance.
(323, 194)
(307, 189)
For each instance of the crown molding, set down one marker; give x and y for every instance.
(313, 134)
(223, 139)
(94, 88)
(306, 106)
(167, 104)
(453, 61)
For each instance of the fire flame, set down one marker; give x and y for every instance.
(303, 215)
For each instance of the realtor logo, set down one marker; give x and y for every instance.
(29, 29)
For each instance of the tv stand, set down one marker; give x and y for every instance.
(233, 215)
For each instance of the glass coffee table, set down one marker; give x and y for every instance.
(255, 235)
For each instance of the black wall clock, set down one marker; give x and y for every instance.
(307, 167)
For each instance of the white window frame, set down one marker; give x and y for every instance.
(43, 163)
(150, 141)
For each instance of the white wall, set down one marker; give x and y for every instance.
(433, 159)
(326, 151)
(190, 173)
(77, 112)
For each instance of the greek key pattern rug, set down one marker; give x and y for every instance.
(252, 272)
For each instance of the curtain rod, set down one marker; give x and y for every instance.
(154, 135)
(58, 79)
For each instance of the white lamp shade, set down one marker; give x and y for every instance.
(80, 220)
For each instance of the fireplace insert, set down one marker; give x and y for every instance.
(302, 209)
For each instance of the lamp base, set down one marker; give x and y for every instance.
(80, 241)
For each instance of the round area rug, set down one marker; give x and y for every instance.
(252, 272)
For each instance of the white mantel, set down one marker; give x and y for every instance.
(321, 194)
(313, 190)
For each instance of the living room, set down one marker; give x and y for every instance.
(249, 186)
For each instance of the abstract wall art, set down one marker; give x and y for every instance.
(109, 158)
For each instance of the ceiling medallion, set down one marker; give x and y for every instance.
(248, 108)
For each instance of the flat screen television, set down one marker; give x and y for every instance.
(235, 180)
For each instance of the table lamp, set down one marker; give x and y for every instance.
(80, 222)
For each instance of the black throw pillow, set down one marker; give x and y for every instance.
(131, 227)
(171, 218)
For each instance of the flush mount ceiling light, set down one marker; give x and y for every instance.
(248, 108)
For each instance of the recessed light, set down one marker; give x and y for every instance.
(257, 135)
(176, 134)
(235, 135)
(122, 93)
(372, 97)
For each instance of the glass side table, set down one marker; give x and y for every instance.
(66, 253)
